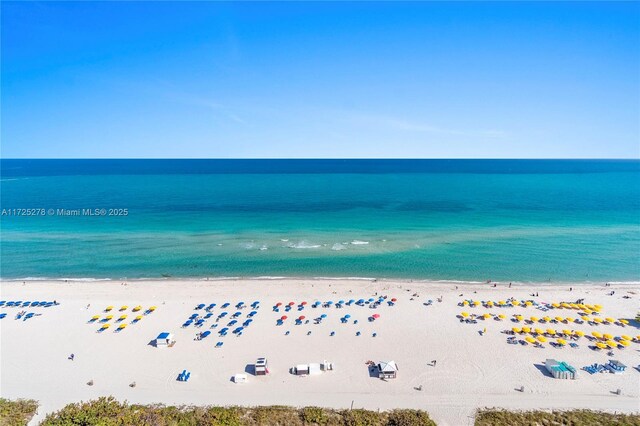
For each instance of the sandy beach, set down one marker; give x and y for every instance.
(472, 370)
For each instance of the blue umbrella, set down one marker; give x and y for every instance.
(351, 301)
(323, 316)
(341, 301)
(226, 305)
(347, 316)
(212, 305)
(252, 313)
(371, 299)
(205, 334)
(361, 301)
(329, 302)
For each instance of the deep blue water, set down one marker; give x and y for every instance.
(468, 220)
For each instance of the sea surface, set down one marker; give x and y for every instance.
(464, 220)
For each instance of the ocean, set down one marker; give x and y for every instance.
(537, 221)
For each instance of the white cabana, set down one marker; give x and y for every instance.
(261, 367)
(164, 340)
(387, 369)
(239, 378)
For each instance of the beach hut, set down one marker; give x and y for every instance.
(164, 340)
(387, 369)
(560, 370)
(261, 367)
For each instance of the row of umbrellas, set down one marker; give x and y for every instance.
(125, 307)
(518, 318)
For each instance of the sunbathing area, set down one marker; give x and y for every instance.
(373, 344)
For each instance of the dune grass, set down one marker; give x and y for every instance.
(496, 417)
(109, 412)
(17, 412)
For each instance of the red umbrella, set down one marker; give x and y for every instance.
(303, 303)
(284, 317)
(376, 315)
(394, 300)
(301, 317)
(291, 303)
(279, 304)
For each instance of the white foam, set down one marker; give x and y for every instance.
(338, 246)
(359, 243)
(303, 245)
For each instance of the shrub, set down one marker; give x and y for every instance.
(18, 412)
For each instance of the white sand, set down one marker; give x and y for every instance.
(472, 370)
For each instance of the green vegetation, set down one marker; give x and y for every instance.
(16, 413)
(109, 412)
(495, 417)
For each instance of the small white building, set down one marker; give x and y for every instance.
(387, 369)
(240, 378)
(164, 340)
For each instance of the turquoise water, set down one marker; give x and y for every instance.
(505, 221)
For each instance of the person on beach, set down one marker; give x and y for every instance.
(71, 357)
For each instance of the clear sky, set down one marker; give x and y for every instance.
(325, 80)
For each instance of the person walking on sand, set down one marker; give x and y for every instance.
(71, 357)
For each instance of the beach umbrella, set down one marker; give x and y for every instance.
(585, 318)
(624, 343)
(376, 316)
(486, 316)
(534, 319)
(566, 332)
(301, 317)
(347, 316)
(561, 342)
(515, 302)
(625, 337)
(597, 308)
(547, 319)
(108, 308)
(501, 302)
(371, 299)
(394, 300)
(609, 319)
(124, 307)
(284, 317)
(501, 316)
(579, 333)
(465, 314)
(323, 316)
(612, 344)
(539, 331)
(566, 305)
(596, 334)
(559, 319)
(252, 313)
(138, 318)
(528, 303)
(518, 318)
(105, 326)
(95, 317)
(152, 308)
(476, 303)
(555, 305)
(551, 331)
(597, 320)
(303, 303)
(137, 308)
(291, 303)
(108, 318)
(489, 303)
(516, 330)
(541, 339)
(600, 345)
(526, 330)
(573, 305)
(279, 304)
(122, 317)
(607, 336)
(530, 339)
(569, 319)
(341, 302)
(624, 321)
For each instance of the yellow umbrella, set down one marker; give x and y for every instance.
(569, 319)
(501, 316)
(489, 303)
(501, 302)
(108, 308)
(625, 337)
(465, 314)
(547, 319)
(566, 332)
(152, 308)
(566, 305)
(465, 303)
(105, 326)
(124, 307)
(476, 302)
(555, 305)
(601, 345)
(589, 306)
(551, 331)
(612, 344)
(559, 319)
(609, 319)
(638, 337)
(585, 318)
(122, 326)
(528, 303)
(138, 318)
(516, 330)
(515, 302)
(526, 330)
(518, 317)
(534, 319)
(137, 308)
(122, 317)
(587, 311)
(541, 339)
(95, 317)
(574, 306)
(624, 343)
(530, 339)
(486, 316)
(607, 336)
(108, 318)
(539, 331)
(598, 320)
(624, 321)
(595, 307)
(561, 342)
(596, 334)
(579, 333)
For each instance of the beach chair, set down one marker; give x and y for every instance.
(219, 344)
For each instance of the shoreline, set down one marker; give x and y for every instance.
(475, 369)
(322, 278)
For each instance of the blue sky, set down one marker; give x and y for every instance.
(325, 80)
